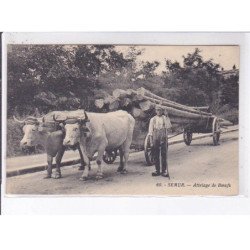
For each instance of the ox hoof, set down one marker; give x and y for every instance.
(99, 176)
(47, 177)
(119, 169)
(81, 168)
(84, 178)
(124, 171)
(57, 176)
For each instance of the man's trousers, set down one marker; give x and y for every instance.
(160, 148)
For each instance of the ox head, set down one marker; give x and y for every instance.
(74, 128)
(31, 130)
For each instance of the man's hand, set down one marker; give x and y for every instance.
(151, 141)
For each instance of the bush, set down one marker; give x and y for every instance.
(14, 136)
(229, 113)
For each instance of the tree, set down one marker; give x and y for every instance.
(196, 82)
(229, 93)
(57, 76)
(148, 69)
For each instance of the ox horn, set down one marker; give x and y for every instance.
(19, 121)
(41, 120)
(86, 116)
(58, 120)
(32, 119)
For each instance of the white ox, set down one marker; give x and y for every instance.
(97, 132)
(44, 131)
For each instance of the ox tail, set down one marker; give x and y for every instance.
(131, 120)
(131, 126)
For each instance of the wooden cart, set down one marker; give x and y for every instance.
(141, 104)
(212, 126)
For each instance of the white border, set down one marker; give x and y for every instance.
(134, 205)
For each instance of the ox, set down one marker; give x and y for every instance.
(97, 132)
(44, 131)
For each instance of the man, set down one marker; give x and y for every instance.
(158, 131)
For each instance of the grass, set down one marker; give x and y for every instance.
(14, 136)
(15, 133)
(229, 113)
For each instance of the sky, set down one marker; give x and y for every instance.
(226, 56)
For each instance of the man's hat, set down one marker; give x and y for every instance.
(159, 107)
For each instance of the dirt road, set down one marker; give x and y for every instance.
(200, 169)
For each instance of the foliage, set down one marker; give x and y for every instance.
(197, 79)
(230, 91)
(201, 82)
(57, 76)
(42, 78)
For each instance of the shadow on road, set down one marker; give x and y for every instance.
(211, 144)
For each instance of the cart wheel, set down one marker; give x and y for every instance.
(187, 136)
(110, 156)
(148, 152)
(216, 132)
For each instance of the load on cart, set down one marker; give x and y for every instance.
(141, 105)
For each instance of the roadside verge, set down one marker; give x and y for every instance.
(31, 168)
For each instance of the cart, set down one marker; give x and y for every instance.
(142, 140)
(212, 126)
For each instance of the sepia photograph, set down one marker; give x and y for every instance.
(122, 120)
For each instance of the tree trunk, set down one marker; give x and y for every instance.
(120, 93)
(160, 100)
(138, 113)
(125, 102)
(108, 99)
(99, 103)
(146, 105)
(177, 107)
(131, 92)
(224, 123)
(204, 109)
(184, 114)
(181, 120)
(138, 98)
(114, 105)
